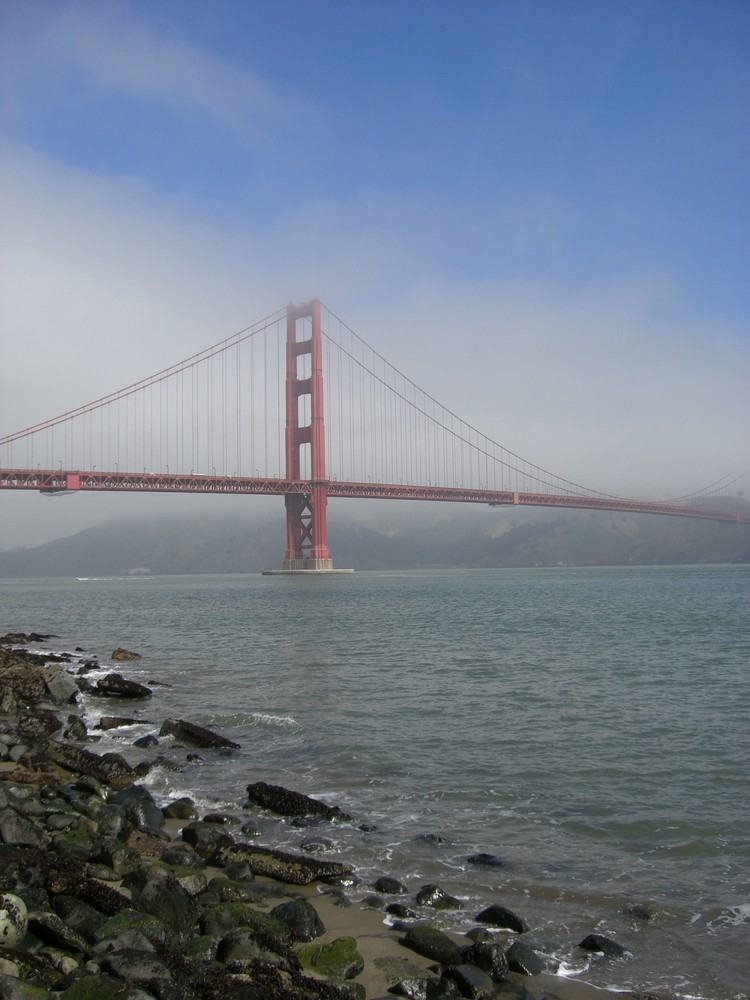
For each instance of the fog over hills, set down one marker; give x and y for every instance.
(386, 536)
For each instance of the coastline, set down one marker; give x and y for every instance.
(34, 763)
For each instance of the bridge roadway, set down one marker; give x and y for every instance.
(58, 481)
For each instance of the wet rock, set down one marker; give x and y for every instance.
(599, 942)
(501, 916)
(121, 654)
(471, 981)
(524, 960)
(434, 896)
(301, 918)
(401, 910)
(139, 806)
(146, 742)
(486, 860)
(641, 911)
(285, 802)
(116, 722)
(280, 865)
(389, 886)
(490, 957)
(430, 942)
(110, 767)
(75, 729)
(197, 736)
(205, 838)
(117, 686)
(183, 808)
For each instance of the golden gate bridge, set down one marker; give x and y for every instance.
(249, 415)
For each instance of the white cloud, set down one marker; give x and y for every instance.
(117, 52)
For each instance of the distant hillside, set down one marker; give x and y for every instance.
(416, 536)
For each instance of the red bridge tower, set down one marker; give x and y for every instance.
(306, 542)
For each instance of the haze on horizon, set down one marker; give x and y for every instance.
(538, 211)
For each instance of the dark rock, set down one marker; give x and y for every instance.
(183, 808)
(117, 686)
(240, 871)
(400, 910)
(40, 723)
(169, 902)
(281, 866)
(220, 920)
(194, 735)
(110, 768)
(641, 911)
(49, 928)
(140, 967)
(598, 942)
(471, 981)
(115, 722)
(489, 956)
(389, 886)
(139, 806)
(120, 655)
(146, 742)
(433, 895)
(221, 819)
(75, 729)
(523, 959)
(431, 838)
(18, 830)
(79, 916)
(301, 918)
(288, 803)
(205, 838)
(244, 946)
(430, 942)
(501, 916)
(178, 855)
(486, 860)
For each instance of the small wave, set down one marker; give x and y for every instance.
(241, 720)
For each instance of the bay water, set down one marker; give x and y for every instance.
(588, 727)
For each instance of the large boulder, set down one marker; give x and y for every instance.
(197, 736)
(280, 865)
(288, 803)
(116, 686)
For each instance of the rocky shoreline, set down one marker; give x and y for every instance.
(103, 893)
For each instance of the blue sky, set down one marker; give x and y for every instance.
(539, 210)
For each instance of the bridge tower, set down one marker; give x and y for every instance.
(306, 541)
